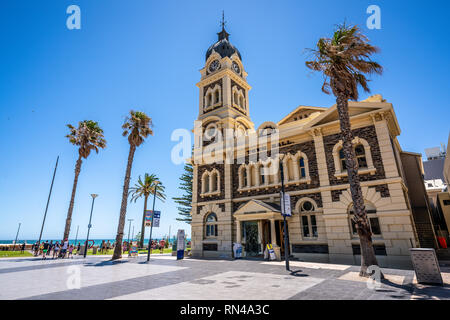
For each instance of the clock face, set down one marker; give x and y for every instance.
(215, 65)
(236, 68)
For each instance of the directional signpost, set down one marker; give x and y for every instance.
(286, 207)
(156, 217)
(148, 218)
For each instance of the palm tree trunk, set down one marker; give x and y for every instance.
(362, 223)
(141, 241)
(123, 208)
(72, 198)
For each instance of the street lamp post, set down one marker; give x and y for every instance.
(151, 227)
(17, 234)
(76, 236)
(286, 244)
(93, 195)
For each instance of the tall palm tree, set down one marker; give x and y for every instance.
(88, 136)
(344, 61)
(145, 188)
(137, 127)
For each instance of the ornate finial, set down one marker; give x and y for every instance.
(223, 34)
(223, 22)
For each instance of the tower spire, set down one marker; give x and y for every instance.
(223, 34)
(223, 22)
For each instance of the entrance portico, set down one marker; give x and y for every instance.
(257, 224)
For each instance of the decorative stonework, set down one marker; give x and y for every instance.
(311, 181)
(317, 197)
(201, 175)
(368, 134)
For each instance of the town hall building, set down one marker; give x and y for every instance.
(239, 202)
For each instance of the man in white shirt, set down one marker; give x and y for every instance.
(64, 248)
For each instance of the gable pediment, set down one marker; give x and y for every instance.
(256, 207)
(303, 114)
(354, 109)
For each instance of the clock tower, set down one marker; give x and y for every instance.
(223, 99)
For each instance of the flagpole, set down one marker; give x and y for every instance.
(48, 201)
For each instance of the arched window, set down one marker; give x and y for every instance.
(302, 168)
(214, 184)
(208, 99)
(290, 169)
(235, 96)
(374, 223)
(308, 220)
(211, 225)
(205, 182)
(361, 156)
(217, 96)
(241, 102)
(262, 176)
(342, 159)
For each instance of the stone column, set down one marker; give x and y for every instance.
(260, 239)
(238, 231)
(226, 88)
(273, 233)
(200, 102)
(385, 145)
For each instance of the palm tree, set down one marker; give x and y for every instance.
(137, 127)
(88, 136)
(344, 61)
(145, 189)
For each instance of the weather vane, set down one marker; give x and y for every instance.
(223, 22)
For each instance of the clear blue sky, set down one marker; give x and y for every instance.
(134, 54)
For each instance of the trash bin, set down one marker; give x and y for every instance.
(81, 252)
(94, 249)
(174, 249)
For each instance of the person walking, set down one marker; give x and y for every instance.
(50, 247)
(56, 250)
(22, 249)
(64, 248)
(103, 247)
(70, 252)
(44, 250)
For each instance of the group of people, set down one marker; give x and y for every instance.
(105, 246)
(57, 249)
(63, 249)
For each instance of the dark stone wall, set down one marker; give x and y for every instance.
(370, 135)
(383, 189)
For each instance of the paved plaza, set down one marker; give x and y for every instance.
(165, 278)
